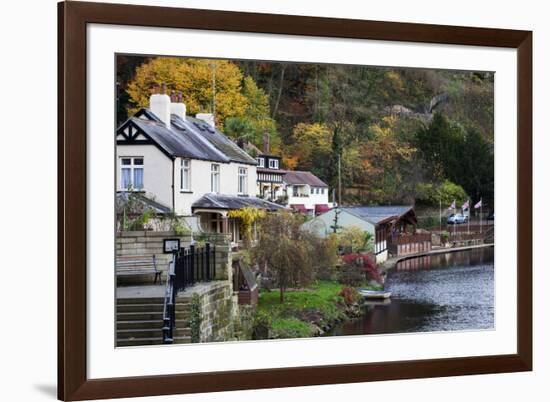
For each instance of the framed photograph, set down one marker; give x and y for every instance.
(251, 201)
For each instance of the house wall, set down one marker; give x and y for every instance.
(157, 171)
(321, 225)
(200, 182)
(157, 177)
(309, 200)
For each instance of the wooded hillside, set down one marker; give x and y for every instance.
(402, 135)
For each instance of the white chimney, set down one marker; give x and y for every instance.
(160, 106)
(178, 109)
(206, 117)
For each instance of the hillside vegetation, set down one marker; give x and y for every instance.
(401, 135)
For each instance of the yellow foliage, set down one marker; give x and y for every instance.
(395, 80)
(193, 78)
(247, 217)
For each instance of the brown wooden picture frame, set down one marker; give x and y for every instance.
(73, 382)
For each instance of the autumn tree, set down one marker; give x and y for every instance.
(286, 250)
(385, 161)
(312, 148)
(206, 85)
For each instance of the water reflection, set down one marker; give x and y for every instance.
(445, 292)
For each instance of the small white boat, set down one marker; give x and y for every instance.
(374, 294)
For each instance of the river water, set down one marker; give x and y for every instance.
(445, 292)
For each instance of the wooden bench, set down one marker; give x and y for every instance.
(137, 265)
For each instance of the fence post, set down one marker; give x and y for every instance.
(207, 252)
(192, 262)
(214, 262)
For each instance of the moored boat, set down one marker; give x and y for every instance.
(374, 294)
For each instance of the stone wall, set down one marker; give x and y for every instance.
(216, 310)
(151, 243)
(147, 242)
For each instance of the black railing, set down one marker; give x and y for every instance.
(188, 266)
(169, 311)
(195, 264)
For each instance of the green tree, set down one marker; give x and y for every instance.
(446, 192)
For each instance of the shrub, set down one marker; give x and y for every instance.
(349, 295)
(261, 325)
(352, 239)
(358, 268)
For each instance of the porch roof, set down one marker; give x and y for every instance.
(229, 202)
(123, 197)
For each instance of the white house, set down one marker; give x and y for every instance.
(186, 164)
(385, 223)
(306, 193)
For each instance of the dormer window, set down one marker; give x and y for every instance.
(274, 164)
(261, 162)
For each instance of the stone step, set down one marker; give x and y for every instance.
(133, 308)
(142, 300)
(138, 342)
(137, 324)
(182, 339)
(139, 316)
(149, 333)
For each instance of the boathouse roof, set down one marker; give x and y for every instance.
(380, 214)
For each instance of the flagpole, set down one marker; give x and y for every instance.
(439, 214)
(468, 216)
(481, 216)
(454, 211)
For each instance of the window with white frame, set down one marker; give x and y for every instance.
(312, 190)
(131, 172)
(274, 164)
(185, 175)
(261, 162)
(215, 178)
(243, 174)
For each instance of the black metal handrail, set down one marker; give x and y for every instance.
(187, 267)
(169, 310)
(195, 264)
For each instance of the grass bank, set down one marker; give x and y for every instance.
(305, 312)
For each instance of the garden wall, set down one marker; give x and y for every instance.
(147, 242)
(208, 310)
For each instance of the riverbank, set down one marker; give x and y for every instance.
(306, 312)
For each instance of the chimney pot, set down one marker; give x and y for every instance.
(207, 118)
(160, 106)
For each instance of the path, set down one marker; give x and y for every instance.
(392, 262)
